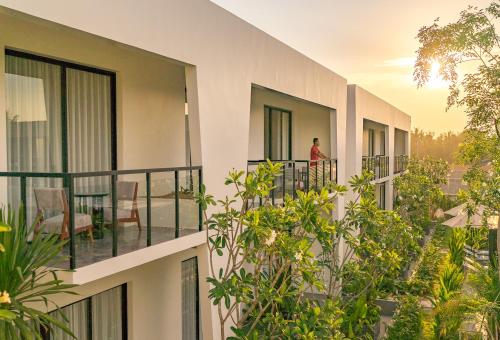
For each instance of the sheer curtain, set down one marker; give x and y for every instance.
(77, 317)
(107, 315)
(89, 125)
(33, 111)
(190, 302)
(34, 103)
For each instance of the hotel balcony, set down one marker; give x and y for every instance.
(400, 150)
(282, 129)
(375, 158)
(97, 146)
(303, 175)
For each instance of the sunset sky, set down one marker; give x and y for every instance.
(370, 42)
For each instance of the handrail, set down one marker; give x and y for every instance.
(378, 164)
(400, 163)
(68, 179)
(312, 175)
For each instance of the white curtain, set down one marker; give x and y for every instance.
(77, 317)
(190, 303)
(33, 111)
(34, 125)
(106, 315)
(89, 126)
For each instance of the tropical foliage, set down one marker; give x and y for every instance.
(444, 146)
(408, 320)
(418, 191)
(270, 263)
(26, 279)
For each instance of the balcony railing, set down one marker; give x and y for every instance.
(379, 165)
(400, 163)
(100, 213)
(301, 175)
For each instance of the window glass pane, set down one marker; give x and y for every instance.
(33, 124)
(190, 300)
(285, 135)
(276, 135)
(77, 315)
(107, 315)
(266, 133)
(89, 126)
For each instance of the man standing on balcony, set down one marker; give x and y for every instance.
(316, 154)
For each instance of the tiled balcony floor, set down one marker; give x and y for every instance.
(130, 239)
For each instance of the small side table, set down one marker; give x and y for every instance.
(95, 208)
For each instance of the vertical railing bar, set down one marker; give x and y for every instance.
(114, 222)
(71, 222)
(324, 163)
(273, 191)
(200, 211)
(293, 180)
(316, 177)
(307, 177)
(24, 199)
(148, 208)
(177, 221)
(284, 181)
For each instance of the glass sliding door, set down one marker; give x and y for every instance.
(89, 126)
(277, 134)
(371, 142)
(382, 143)
(190, 300)
(33, 102)
(107, 318)
(102, 316)
(33, 124)
(77, 318)
(61, 117)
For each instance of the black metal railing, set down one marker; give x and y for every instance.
(165, 196)
(304, 175)
(379, 165)
(400, 163)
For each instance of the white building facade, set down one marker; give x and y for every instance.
(140, 102)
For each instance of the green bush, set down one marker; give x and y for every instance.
(421, 282)
(408, 321)
(456, 245)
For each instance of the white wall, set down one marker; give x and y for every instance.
(154, 296)
(308, 121)
(226, 56)
(150, 89)
(363, 110)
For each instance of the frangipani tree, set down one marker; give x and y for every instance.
(282, 275)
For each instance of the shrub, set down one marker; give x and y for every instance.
(456, 245)
(408, 321)
(421, 282)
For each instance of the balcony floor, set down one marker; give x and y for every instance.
(130, 239)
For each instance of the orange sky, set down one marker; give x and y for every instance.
(370, 42)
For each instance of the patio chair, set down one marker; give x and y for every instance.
(126, 210)
(54, 200)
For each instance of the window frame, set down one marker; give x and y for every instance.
(268, 109)
(124, 313)
(64, 65)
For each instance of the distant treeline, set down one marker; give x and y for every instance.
(444, 146)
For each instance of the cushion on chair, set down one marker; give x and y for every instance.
(53, 225)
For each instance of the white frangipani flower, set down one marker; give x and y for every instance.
(270, 240)
(298, 256)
